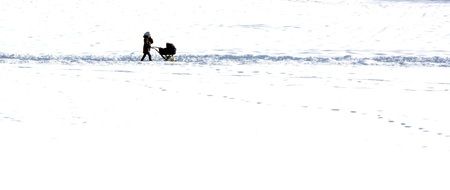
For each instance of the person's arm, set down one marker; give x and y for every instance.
(151, 40)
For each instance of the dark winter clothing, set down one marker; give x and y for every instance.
(148, 41)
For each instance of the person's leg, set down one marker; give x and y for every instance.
(149, 56)
(143, 57)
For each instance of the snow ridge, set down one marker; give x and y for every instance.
(441, 61)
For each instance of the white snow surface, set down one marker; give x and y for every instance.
(265, 94)
(297, 28)
(262, 126)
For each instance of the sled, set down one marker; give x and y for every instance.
(167, 53)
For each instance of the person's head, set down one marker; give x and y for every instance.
(147, 35)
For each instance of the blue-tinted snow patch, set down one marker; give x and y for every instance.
(241, 59)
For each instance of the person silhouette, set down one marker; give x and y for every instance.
(148, 41)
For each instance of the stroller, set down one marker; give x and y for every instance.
(168, 52)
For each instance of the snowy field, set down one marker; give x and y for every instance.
(263, 126)
(265, 94)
